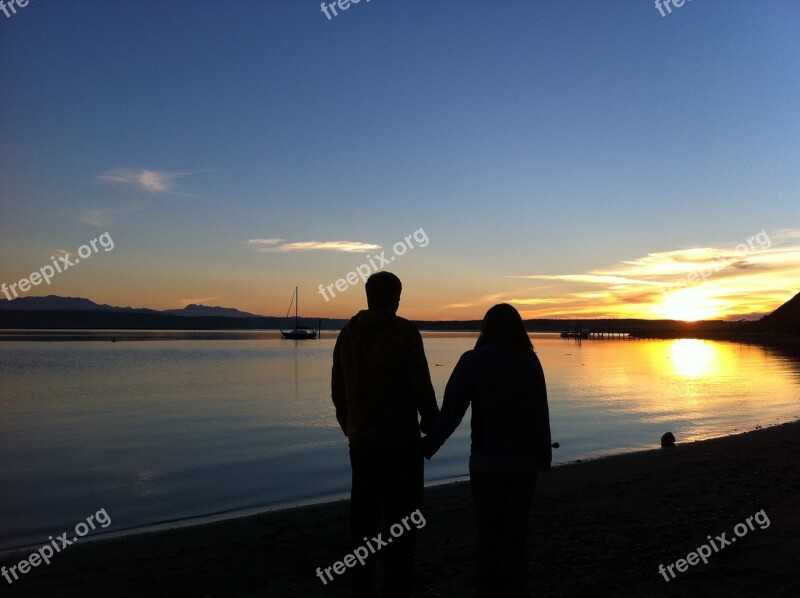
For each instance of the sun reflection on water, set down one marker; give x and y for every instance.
(693, 358)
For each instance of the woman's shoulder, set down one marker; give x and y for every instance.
(496, 354)
(483, 353)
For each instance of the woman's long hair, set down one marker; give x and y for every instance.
(503, 325)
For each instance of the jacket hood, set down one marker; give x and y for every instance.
(369, 321)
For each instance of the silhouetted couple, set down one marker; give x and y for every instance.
(381, 382)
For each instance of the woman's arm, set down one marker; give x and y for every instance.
(541, 420)
(457, 397)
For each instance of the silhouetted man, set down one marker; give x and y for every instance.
(380, 382)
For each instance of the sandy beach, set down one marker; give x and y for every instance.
(599, 527)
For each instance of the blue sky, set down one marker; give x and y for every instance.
(528, 139)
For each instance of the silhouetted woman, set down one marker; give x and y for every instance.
(503, 381)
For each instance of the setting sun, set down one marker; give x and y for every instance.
(688, 305)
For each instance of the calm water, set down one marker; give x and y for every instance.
(174, 428)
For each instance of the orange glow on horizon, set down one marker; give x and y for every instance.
(678, 285)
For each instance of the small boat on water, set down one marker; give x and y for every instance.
(297, 333)
(583, 333)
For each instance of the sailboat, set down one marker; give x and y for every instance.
(297, 333)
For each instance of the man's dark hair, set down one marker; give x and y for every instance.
(383, 290)
(503, 325)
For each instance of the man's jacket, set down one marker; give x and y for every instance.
(381, 381)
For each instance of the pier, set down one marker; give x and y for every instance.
(597, 334)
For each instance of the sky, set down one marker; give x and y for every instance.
(574, 158)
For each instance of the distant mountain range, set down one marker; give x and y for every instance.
(56, 303)
(196, 310)
(70, 313)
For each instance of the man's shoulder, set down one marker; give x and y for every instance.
(348, 326)
(401, 321)
(406, 326)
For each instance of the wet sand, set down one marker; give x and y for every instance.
(598, 528)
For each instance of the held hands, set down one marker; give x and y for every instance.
(428, 447)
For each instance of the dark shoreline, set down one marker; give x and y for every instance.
(130, 319)
(599, 527)
(130, 334)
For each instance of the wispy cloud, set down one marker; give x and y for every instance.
(265, 241)
(105, 216)
(596, 278)
(96, 217)
(744, 280)
(154, 181)
(533, 301)
(486, 300)
(280, 246)
(785, 234)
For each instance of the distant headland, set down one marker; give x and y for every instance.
(74, 313)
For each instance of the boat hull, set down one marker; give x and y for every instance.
(299, 334)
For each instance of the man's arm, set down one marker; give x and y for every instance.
(423, 388)
(338, 392)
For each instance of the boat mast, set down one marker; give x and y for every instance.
(296, 301)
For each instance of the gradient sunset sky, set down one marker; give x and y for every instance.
(574, 158)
